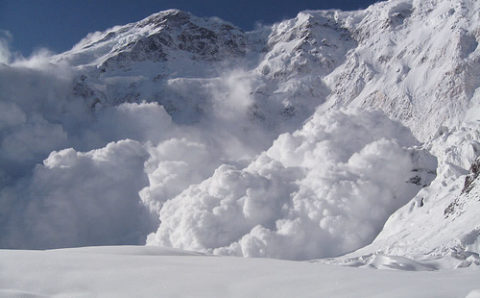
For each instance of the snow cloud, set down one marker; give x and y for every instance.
(322, 191)
(72, 174)
(90, 198)
(5, 38)
(193, 165)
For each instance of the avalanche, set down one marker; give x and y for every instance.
(353, 136)
(322, 191)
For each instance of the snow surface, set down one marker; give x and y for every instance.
(152, 271)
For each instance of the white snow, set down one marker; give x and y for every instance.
(153, 271)
(351, 135)
(322, 191)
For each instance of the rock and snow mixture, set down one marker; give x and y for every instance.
(314, 137)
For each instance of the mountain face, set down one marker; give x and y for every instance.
(330, 133)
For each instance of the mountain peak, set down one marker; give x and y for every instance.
(171, 17)
(155, 38)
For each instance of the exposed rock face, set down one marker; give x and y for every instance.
(177, 31)
(470, 179)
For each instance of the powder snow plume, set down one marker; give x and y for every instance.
(321, 191)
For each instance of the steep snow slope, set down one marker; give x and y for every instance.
(201, 103)
(416, 60)
(442, 220)
(419, 62)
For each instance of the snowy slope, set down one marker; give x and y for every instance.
(419, 64)
(261, 143)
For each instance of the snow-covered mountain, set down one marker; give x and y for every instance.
(330, 133)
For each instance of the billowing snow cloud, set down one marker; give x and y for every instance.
(85, 198)
(173, 166)
(73, 175)
(322, 191)
(77, 169)
(5, 54)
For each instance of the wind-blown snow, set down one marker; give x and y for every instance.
(5, 54)
(77, 198)
(322, 191)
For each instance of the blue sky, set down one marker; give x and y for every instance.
(59, 24)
